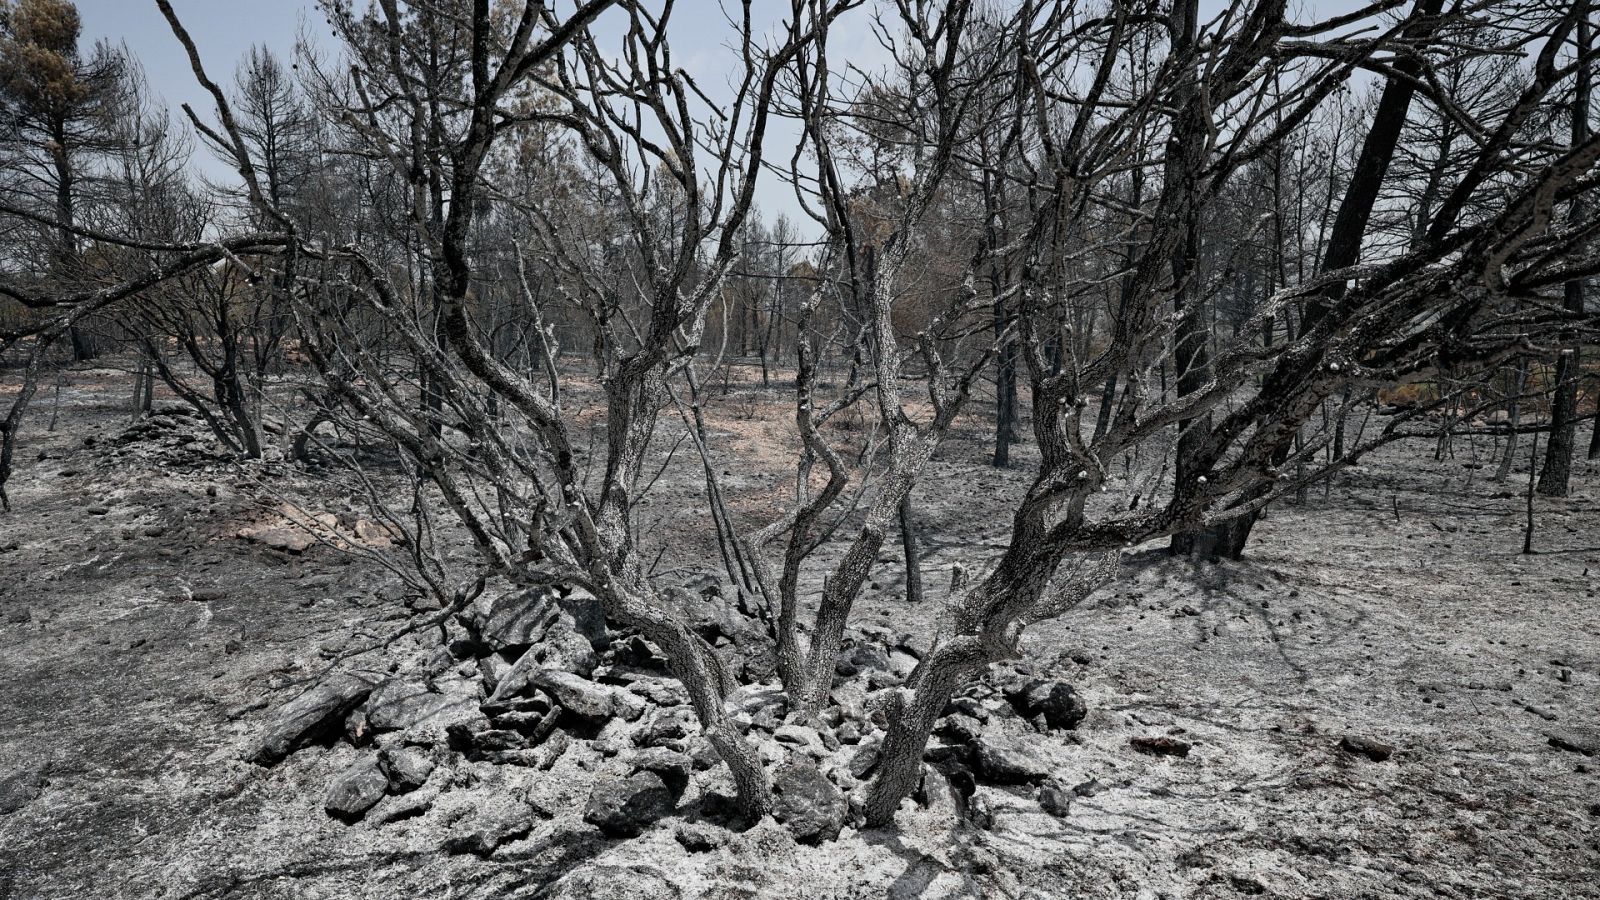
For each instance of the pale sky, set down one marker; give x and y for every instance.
(224, 31)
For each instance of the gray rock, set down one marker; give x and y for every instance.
(409, 805)
(801, 736)
(624, 807)
(494, 740)
(659, 692)
(1160, 745)
(806, 802)
(575, 694)
(526, 617)
(1541, 712)
(959, 728)
(588, 617)
(670, 727)
(494, 668)
(405, 770)
(627, 706)
(1088, 788)
(935, 791)
(308, 716)
(980, 811)
(865, 758)
(561, 651)
(1006, 760)
(700, 837)
(20, 789)
(1576, 740)
(863, 656)
(848, 732)
(356, 790)
(1377, 751)
(399, 704)
(1060, 705)
(534, 725)
(672, 767)
(513, 619)
(494, 826)
(1055, 801)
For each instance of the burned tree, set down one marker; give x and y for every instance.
(979, 198)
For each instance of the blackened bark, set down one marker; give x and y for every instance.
(1185, 156)
(1553, 481)
(1344, 242)
(908, 543)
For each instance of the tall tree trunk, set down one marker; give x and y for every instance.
(1344, 239)
(1514, 417)
(83, 343)
(1553, 481)
(1005, 384)
(1185, 156)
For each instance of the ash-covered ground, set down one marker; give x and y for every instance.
(1240, 716)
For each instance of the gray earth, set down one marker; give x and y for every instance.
(144, 645)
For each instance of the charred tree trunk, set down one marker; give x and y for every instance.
(908, 544)
(1553, 481)
(1185, 157)
(1344, 239)
(1514, 417)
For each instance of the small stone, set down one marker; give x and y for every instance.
(865, 759)
(356, 790)
(848, 732)
(494, 827)
(1576, 740)
(959, 729)
(1377, 751)
(659, 692)
(810, 805)
(1160, 746)
(980, 811)
(1006, 760)
(20, 789)
(935, 791)
(575, 694)
(624, 807)
(302, 719)
(356, 728)
(700, 837)
(1055, 801)
(1541, 712)
(669, 727)
(287, 538)
(405, 770)
(672, 767)
(798, 736)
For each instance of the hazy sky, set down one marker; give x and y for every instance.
(224, 31)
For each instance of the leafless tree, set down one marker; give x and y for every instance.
(1027, 185)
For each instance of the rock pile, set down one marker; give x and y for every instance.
(172, 438)
(529, 674)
